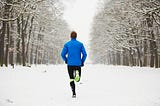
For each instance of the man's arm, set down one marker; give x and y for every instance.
(84, 55)
(63, 53)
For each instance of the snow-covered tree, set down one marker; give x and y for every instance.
(30, 30)
(118, 33)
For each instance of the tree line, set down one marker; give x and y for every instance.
(127, 32)
(31, 32)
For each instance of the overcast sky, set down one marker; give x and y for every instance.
(79, 15)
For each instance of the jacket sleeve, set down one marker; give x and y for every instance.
(64, 52)
(84, 54)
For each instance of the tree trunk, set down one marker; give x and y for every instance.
(24, 28)
(159, 61)
(18, 60)
(145, 53)
(154, 48)
(139, 61)
(7, 45)
(36, 55)
(2, 43)
(150, 27)
(29, 36)
(139, 57)
(11, 56)
(118, 58)
(156, 56)
(12, 42)
(152, 60)
(31, 54)
(23, 42)
(131, 57)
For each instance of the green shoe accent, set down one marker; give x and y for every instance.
(77, 78)
(71, 80)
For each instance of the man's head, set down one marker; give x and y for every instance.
(73, 34)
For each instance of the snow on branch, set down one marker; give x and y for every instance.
(22, 11)
(155, 18)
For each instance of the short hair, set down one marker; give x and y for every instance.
(73, 34)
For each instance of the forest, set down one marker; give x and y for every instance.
(123, 32)
(31, 32)
(127, 32)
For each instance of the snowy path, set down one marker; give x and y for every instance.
(102, 85)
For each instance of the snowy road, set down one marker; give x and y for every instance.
(101, 85)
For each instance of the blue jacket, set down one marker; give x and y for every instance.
(72, 51)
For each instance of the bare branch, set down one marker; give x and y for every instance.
(155, 19)
(21, 12)
(13, 19)
(152, 10)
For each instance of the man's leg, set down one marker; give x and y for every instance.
(77, 73)
(71, 75)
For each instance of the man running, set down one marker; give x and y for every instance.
(71, 54)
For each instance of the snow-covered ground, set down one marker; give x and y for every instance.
(100, 85)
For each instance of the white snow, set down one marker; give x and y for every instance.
(101, 85)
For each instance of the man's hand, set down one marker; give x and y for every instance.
(82, 64)
(66, 61)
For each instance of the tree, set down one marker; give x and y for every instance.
(120, 33)
(26, 27)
